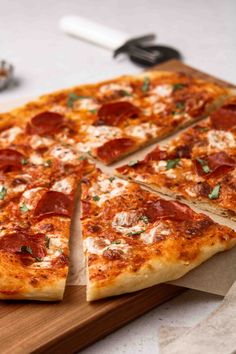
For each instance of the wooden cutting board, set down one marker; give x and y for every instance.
(70, 325)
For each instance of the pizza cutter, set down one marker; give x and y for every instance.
(141, 50)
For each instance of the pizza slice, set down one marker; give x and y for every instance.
(134, 239)
(37, 195)
(199, 165)
(111, 119)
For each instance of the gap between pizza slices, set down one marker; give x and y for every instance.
(42, 160)
(134, 239)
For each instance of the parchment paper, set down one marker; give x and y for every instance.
(214, 335)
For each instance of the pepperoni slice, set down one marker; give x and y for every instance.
(115, 113)
(19, 242)
(54, 203)
(45, 123)
(166, 209)
(225, 117)
(60, 262)
(218, 163)
(156, 155)
(113, 149)
(10, 160)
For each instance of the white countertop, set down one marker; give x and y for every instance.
(45, 60)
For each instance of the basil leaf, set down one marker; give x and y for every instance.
(93, 111)
(146, 84)
(117, 242)
(172, 163)
(26, 249)
(72, 97)
(111, 179)
(3, 193)
(125, 93)
(215, 192)
(178, 86)
(96, 198)
(135, 233)
(48, 163)
(144, 218)
(24, 208)
(204, 165)
(47, 241)
(24, 162)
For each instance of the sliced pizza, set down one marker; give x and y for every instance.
(114, 118)
(134, 239)
(199, 165)
(38, 183)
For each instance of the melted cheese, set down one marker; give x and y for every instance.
(64, 186)
(105, 189)
(64, 154)
(221, 139)
(97, 246)
(37, 142)
(86, 104)
(142, 131)
(164, 90)
(36, 159)
(128, 222)
(98, 136)
(150, 236)
(9, 135)
(110, 88)
(30, 193)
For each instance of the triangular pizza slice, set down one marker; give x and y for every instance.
(134, 239)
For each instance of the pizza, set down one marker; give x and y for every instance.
(134, 239)
(38, 181)
(199, 165)
(112, 119)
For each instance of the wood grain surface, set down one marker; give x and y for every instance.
(70, 325)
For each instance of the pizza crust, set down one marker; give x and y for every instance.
(156, 271)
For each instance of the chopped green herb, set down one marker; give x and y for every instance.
(125, 93)
(135, 233)
(72, 97)
(215, 192)
(48, 163)
(172, 163)
(204, 165)
(93, 111)
(178, 86)
(24, 208)
(144, 218)
(180, 105)
(82, 157)
(117, 242)
(132, 163)
(38, 259)
(3, 193)
(24, 162)
(96, 198)
(47, 241)
(146, 84)
(111, 179)
(26, 249)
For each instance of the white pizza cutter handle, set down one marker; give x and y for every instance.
(93, 32)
